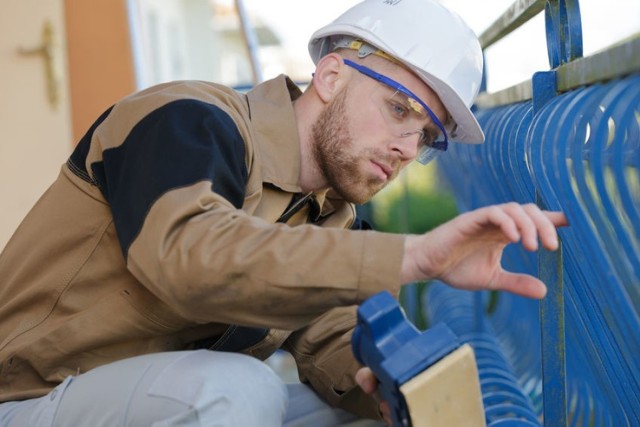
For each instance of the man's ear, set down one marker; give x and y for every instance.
(330, 76)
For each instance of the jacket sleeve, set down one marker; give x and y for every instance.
(175, 182)
(325, 361)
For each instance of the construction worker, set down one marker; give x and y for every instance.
(196, 230)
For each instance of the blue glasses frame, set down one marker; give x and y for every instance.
(438, 145)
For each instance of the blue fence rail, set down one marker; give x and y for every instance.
(569, 140)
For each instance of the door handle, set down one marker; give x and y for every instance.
(49, 52)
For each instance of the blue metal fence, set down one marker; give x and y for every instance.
(570, 143)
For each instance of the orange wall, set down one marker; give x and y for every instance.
(101, 69)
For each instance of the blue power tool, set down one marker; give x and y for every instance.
(397, 352)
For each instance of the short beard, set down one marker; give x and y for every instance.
(331, 151)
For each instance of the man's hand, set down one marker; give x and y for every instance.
(369, 384)
(466, 251)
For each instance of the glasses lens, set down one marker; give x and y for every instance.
(427, 154)
(404, 115)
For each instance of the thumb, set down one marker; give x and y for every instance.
(519, 284)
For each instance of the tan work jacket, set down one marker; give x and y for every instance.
(161, 232)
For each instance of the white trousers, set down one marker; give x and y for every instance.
(190, 388)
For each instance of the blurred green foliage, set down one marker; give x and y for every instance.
(416, 202)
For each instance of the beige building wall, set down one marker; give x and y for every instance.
(53, 87)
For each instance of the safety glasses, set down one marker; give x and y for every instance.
(405, 114)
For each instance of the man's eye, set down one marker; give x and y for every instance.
(400, 111)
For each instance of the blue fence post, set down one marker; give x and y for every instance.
(552, 332)
(554, 394)
(564, 44)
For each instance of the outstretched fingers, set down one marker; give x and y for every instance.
(502, 218)
(546, 224)
(466, 251)
(531, 224)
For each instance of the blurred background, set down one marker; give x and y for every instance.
(63, 62)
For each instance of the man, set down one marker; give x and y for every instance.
(193, 226)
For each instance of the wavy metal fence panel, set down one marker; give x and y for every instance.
(572, 145)
(580, 153)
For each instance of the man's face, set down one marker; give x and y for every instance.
(354, 146)
(342, 161)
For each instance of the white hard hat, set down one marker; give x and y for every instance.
(429, 39)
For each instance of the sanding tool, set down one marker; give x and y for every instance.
(428, 377)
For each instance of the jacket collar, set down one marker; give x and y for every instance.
(271, 109)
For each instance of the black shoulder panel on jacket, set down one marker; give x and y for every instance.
(78, 158)
(177, 145)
